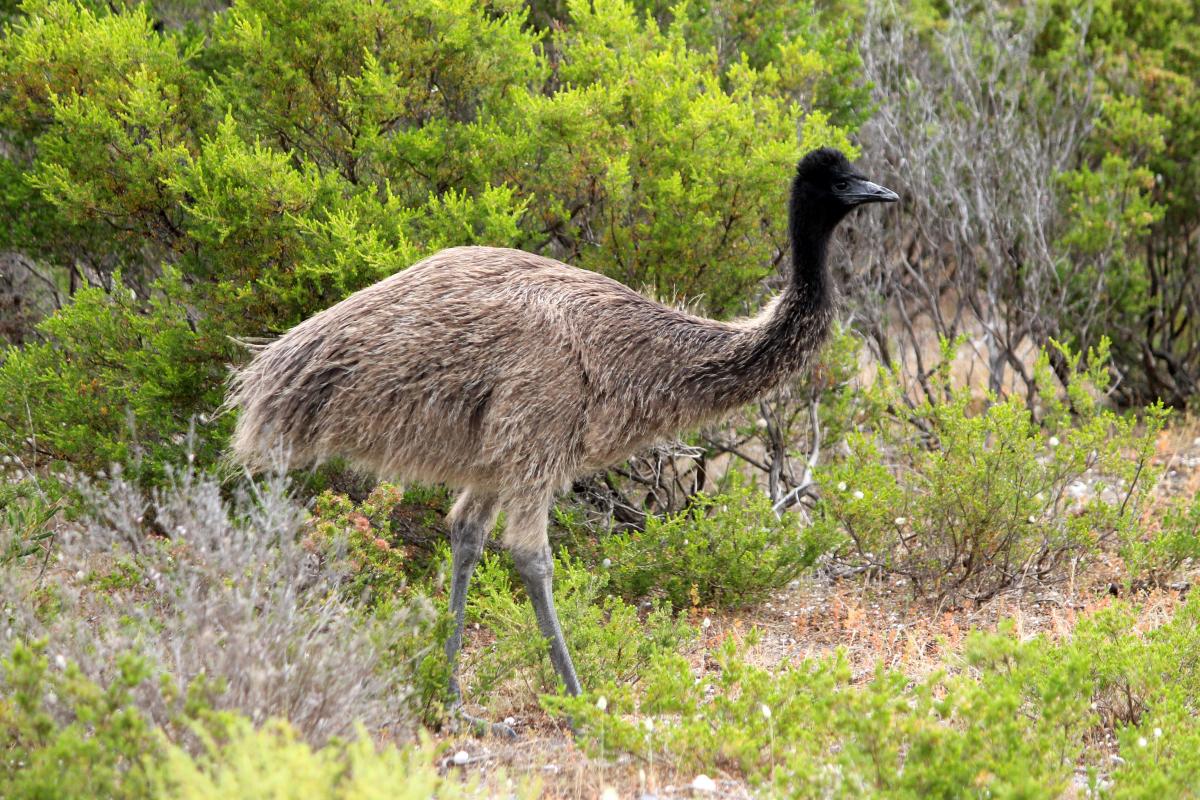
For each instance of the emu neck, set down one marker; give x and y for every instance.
(777, 343)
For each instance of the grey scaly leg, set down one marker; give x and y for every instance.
(525, 536)
(470, 522)
(536, 569)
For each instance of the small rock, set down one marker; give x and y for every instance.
(461, 757)
(703, 783)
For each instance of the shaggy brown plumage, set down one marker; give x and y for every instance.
(507, 375)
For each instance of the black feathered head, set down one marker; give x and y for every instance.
(826, 188)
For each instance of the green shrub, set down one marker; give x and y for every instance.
(25, 512)
(377, 566)
(119, 380)
(967, 503)
(244, 173)
(1158, 553)
(806, 731)
(726, 551)
(384, 574)
(1007, 717)
(609, 641)
(1161, 756)
(272, 761)
(231, 591)
(63, 736)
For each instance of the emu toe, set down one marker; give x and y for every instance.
(478, 726)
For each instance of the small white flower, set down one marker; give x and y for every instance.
(461, 757)
(1053, 441)
(841, 486)
(901, 522)
(1158, 733)
(606, 563)
(858, 495)
(602, 703)
(1142, 741)
(703, 783)
(766, 710)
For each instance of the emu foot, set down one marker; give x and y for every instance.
(478, 726)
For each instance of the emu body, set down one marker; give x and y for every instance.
(507, 375)
(500, 371)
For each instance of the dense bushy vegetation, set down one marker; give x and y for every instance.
(179, 179)
(1013, 719)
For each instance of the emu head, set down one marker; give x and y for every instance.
(827, 188)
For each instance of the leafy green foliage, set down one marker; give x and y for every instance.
(1160, 548)
(726, 551)
(25, 514)
(1011, 718)
(806, 731)
(121, 379)
(383, 575)
(64, 736)
(981, 502)
(378, 568)
(273, 761)
(99, 751)
(258, 170)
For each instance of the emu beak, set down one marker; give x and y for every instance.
(863, 191)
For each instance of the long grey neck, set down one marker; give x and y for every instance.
(774, 346)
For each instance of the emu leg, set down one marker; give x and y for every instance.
(536, 568)
(470, 521)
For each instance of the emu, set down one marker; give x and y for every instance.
(506, 375)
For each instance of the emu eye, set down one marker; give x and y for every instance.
(841, 186)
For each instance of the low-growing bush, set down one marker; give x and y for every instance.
(806, 731)
(67, 737)
(1158, 550)
(1007, 717)
(63, 736)
(25, 511)
(730, 550)
(228, 591)
(118, 379)
(377, 567)
(610, 642)
(1161, 756)
(968, 503)
(271, 761)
